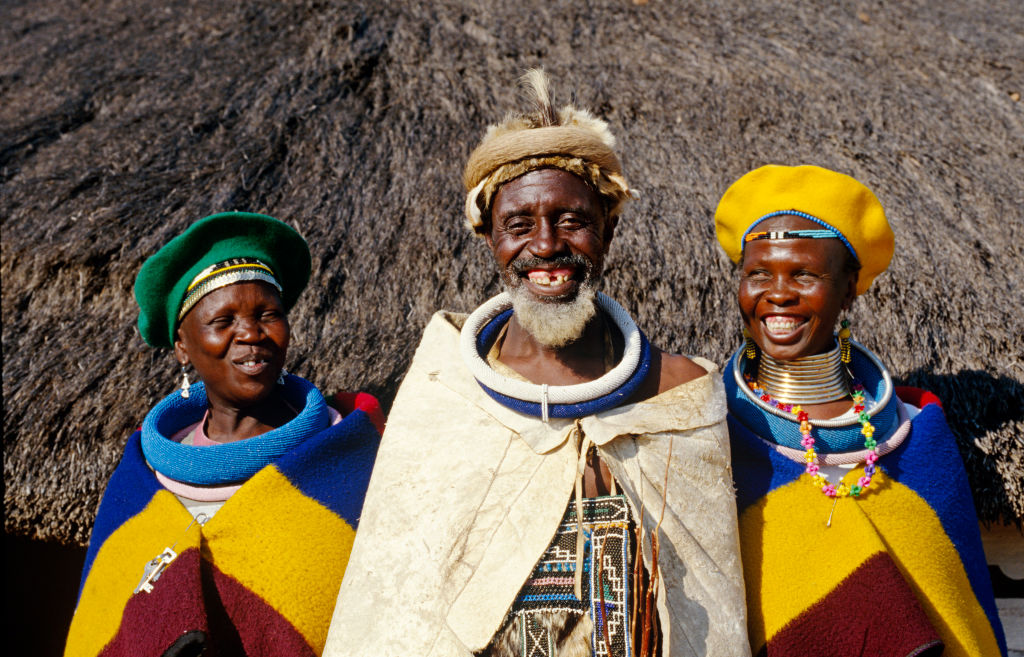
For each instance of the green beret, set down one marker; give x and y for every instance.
(161, 285)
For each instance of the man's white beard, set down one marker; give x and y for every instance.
(554, 323)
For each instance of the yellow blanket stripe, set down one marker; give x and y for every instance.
(118, 568)
(305, 544)
(780, 550)
(929, 561)
(792, 573)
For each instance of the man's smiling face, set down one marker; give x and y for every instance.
(548, 229)
(549, 236)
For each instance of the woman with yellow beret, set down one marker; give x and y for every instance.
(857, 527)
(227, 525)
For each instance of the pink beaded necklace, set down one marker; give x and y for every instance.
(807, 441)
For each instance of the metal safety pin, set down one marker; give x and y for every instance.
(834, 502)
(155, 568)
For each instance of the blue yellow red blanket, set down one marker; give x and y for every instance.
(259, 578)
(901, 570)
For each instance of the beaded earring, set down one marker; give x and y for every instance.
(844, 341)
(184, 383)
(749, 346)
(280, 377)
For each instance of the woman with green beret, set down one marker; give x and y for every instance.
(227, 525)
(857, 528)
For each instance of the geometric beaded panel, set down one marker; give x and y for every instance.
(607, 528)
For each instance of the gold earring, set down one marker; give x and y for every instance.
(749, 346)
(844, 341)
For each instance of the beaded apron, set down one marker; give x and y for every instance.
(548, 592)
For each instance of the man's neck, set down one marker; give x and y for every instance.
(577, 362)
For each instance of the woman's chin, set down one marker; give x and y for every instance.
(787, 351)
(246, 395)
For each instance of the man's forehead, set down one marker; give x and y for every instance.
(548, 186)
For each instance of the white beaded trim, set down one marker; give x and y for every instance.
(223, 280)
(545, 394)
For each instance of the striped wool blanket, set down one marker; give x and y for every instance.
(899, 572)
(259, 578)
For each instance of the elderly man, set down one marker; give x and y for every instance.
(549, 483)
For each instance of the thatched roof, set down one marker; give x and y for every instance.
(123, 122)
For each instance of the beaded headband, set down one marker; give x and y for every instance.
(789, 235)
(222, 274)
(827, 232)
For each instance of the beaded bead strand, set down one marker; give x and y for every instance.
(807, 441)
(749, 346)
(844, 341)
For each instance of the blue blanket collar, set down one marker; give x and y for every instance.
(231, 462)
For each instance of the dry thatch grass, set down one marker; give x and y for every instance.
(122, 122)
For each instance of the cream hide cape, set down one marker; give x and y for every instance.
(466, 495)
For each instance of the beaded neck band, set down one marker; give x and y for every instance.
(811, 456)
(810, 380)
(227, 463)
(544, 401)
(882, 388)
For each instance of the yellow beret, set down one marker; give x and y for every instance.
(834, 200)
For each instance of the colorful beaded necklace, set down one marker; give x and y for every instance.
(811, 456)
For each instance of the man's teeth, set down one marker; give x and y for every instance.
(545, 279)
(781, 324)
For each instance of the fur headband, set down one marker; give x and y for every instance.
(570, 139)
